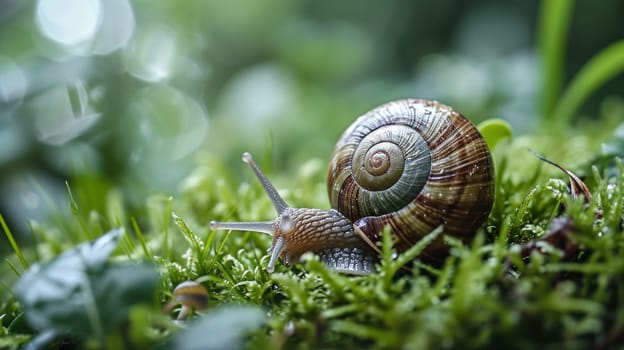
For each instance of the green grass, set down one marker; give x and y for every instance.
(485, 294)
(559, 107)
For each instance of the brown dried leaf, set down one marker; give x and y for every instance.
(577, 186)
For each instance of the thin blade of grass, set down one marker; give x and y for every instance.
(12, 267)
(13, 243)
(128, 246)
(442, 284)
(391, 262)
(340, 311)
(227, 273)
(417, 248)
(141, 238)
(35, 241)
(523, 208)
(75, 210)
(166, 222)
(554, 20)
(217, 253)
(207, 245)
(604, 66)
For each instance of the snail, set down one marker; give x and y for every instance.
(413, 165)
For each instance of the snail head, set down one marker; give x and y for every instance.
(279, 229)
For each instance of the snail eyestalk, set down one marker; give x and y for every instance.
(260, 226)
(275, 252)
(278, 203)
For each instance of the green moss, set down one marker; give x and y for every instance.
(486, 293)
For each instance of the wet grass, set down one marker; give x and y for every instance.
(493, 291)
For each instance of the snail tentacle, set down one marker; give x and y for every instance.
(275, 252)
(258, 226)
(278, 202)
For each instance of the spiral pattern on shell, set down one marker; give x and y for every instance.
(413, 165)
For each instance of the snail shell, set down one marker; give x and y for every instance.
(413, 165)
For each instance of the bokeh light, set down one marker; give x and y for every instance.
(59, 118)
(13, 82)
(28, 196)
(166, 124)
(267, 91)
(116, 27)
(68, 22)
(89, 27)
(151, 55)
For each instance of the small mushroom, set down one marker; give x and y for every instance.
(191, 295)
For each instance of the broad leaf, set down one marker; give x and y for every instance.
(222, 328)
(494, 131)
(81, 293)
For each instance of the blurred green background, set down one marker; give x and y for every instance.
(130, 92)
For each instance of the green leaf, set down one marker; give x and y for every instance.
(494, 131)
(81, 293)
(553, 29)
(222, 328)
(604, 66)
(96, 253)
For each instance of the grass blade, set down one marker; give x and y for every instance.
(554, 21)
(13, 243)
(75, 210)
(12, 267)
(141, 238)
(166, 223)
(604, 66)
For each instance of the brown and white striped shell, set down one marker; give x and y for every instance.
(414, 165)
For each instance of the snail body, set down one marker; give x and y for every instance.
(412, 165)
